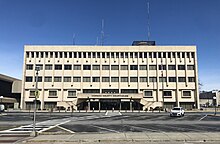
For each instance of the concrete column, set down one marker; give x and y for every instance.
(120, 106)
(89, 105)
(99, 105)
(130, 105)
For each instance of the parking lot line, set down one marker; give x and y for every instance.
(203, 117)
(152, 130)
(105, 128)
(66, 129)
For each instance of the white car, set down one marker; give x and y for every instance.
(177, 111)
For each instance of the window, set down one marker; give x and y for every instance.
(57, 79)
(148, 93)
(164, 55)
(77, 67)
(152, 79)
(75, 54)
(105, 79)
(187, 54)
(52, 93)
(32, 54)
(70, 54)
(124, 67)
(79, 55)
(186, 93)
(143, 79)
(171, 67)
(181, 79)
(136, 55)
(86, 67)
(162, 79)
(114, 67)
(71, 93)
(193, 54)
(39, 79)
(162, 67)
(51, 54)
(172, 79)
(95, 79)
(67, 67)
(114, 79)
(129, 91)
(110, 91)
(105, 67)
(56, 54)
(133, 79)
(112, 54)
(190, 67)
(47, 79)
(152, 67)
(65, 54)
(84, 54)
(178, 54)
(181, 67)
(27, 54)
(131, 54)
(58, 67)
(124, 79)
(140, 55)
(67, 79)
(145, 54)
(167, 93)
(117, 54)
(29, 79)
(108, 55)
(98, 54)
(86, 79)
(126, 55)
(29, 67)
(40, 66)
(37, 54)
(191, 79)
(173, 54)
(93, 55)
(61, 54)
(76, 79)
(143, 67)
(159, 54)
(169, 55)
(155, 55)
(122, 55)
(89, 54)
(133, 67)
(150, 54)
(32, 93)
(96, 67)
(91, 91)
(48, 67)
(103, 54)
(183, 54)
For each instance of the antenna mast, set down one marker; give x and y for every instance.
(148, 21)
(74, 39)
(102, 33)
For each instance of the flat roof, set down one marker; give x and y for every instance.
(8, 78)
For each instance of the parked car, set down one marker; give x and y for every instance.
(2, 108)
(177, 111)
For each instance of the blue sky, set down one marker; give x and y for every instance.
(54, 22)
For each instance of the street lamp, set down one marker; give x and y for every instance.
(1, 106)
(162, 83)
(214, 102)
(34, 133)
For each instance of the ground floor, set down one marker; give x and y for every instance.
(108, 104)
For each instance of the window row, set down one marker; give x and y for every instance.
(109, 79)
(108, 67)
(53, 93)
(185, 93)
(110, 54)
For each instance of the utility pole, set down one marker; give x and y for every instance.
(162, 83)
(34, 133)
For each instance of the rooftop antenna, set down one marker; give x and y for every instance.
(74, 39)
(148, 21)
(97, 40)
(102, 33)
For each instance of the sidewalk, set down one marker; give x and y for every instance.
(126, 137)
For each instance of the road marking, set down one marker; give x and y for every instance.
(106, 113)
(105, 128)
(203, 117)
(145, 128)
(66, 129)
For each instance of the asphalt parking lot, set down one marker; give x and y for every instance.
(116, 122)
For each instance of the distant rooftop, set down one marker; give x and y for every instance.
(143, 43)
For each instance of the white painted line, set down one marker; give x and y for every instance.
(119, 113)
(105, 129)
(66, 129)
(106, 113)
(203, 117)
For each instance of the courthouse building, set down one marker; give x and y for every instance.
(138, 77)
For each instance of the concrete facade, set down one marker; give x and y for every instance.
(111, 77)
